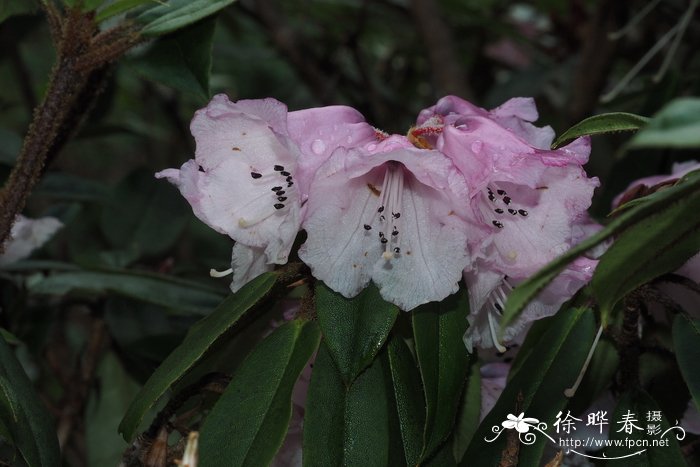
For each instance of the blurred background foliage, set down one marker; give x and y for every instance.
(129, 271)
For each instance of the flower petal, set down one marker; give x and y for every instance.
(247, 264)
(27, 235)
(433, 251)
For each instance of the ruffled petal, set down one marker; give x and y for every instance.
(247, 263)
(415, 257)
(433, 251)
(320, 131)
(338, 249)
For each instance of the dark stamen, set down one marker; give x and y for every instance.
(522, 212)
(276, 188)
(498, 224)
(255, 175)
(368, 227)
(499, 210)
(281, 198)
(506, 199)
(285, 173)
(279, 206)
(279, 168)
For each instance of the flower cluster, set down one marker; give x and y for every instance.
(466, 193)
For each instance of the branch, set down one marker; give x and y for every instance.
(83, 57)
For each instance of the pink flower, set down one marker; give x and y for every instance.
(391, 213)
(27, 235)
(247, 179)
(532, 200)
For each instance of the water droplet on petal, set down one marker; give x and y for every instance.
(318, 146)
(476, 147)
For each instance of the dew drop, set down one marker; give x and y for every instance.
(318, 146)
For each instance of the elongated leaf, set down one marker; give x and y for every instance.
(182, 59)
(199, 339)
(653, 203)
(677, 125)
(247, 424)
(686, 343)
(469, 413)
(600, 124)
(638, 404)
(24, 415)
(151, 288)
(443, 361)
(410, 399)
(118, 7)
(346, 425)
(658, 244)
(354, 329)
(537, 389)
(176, 14)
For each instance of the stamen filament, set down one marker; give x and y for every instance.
(215, 273)
(494, 334)
(570, 392)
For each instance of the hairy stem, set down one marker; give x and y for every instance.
(75, 81)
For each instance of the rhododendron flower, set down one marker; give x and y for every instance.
(533, 200)
(26, 236)
(391, 213)
(247, 181)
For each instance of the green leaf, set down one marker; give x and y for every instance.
(167, 291)
(658, 244)
(354, 329)
(600, 124)
(686, 343)
(176, 14)
(144, 213)
(104, 412)
(17, 7)
(247, 424)
(346, 425)
(443, 360)
(70, 187)
(651, 205)
(182, 59)
(409, 397)
(469, 413)
(199, 339)
(120, 6)
(638, 404)
(677, 125)
(24, 414)
(537, 389)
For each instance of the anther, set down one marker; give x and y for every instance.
(522, 212)
(278, 168)
(255, 175)
(397, 250)
(512, 211)
(368, 227)
(276, 188)
(497, 224)
(395, 233)
(396, 215)
(281, 198)
(381, 209)
(383, 240)
(285, 173)
(279, 206)
(506, 199)
(290, 184)
(501, 192)
(499, 210)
